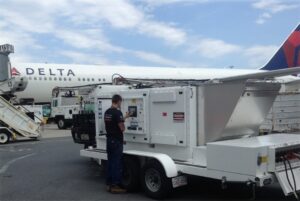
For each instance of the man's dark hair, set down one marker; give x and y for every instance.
(116, 98)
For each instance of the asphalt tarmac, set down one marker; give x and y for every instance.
(51, 169)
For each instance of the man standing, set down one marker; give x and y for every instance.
(114, 125)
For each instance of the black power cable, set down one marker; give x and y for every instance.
(294, 189)
(286, 172)
(295, 185)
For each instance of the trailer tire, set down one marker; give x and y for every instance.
(131, 173)
(61, 123)
(4, 137)
(154, 180)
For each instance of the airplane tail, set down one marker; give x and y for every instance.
(288, 55)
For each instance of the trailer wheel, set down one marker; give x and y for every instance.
(154, 180)
(61, 123)
(131, 173)
(4, 137)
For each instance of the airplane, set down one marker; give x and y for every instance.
(42, 78)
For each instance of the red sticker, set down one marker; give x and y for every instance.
(178, 116)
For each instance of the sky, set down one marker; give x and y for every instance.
(177, 33)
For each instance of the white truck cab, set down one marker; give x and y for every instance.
(64, 107)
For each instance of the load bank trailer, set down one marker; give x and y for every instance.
(13, 122)
(284, 115)
(208, 130)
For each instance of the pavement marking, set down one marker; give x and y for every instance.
(12, 149)
(6, 166)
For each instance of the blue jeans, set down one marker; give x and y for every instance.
(114, 149)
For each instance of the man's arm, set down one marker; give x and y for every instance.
(121, 126)
(121, 121)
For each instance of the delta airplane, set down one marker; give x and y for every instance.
(42, 78)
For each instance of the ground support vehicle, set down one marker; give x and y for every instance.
(14, 123)
(208, 130)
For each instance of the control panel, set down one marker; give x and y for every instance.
(135, 106)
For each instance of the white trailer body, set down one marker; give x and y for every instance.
(208, 130)
(284, 115)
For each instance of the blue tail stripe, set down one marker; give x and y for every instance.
(277, 62)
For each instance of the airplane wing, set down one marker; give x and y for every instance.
(261, 75)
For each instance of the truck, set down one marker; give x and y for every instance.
(208, 129)
(68, 101)
(14, 122)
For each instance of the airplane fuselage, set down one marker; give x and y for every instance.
(42, 78)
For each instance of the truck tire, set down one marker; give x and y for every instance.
(61, 123)
(4, 137)
(131, 174)
(154, 180)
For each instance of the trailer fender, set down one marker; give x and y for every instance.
(165, 160)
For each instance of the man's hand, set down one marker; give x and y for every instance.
(128, 114)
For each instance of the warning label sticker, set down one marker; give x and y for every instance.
(178, 116)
